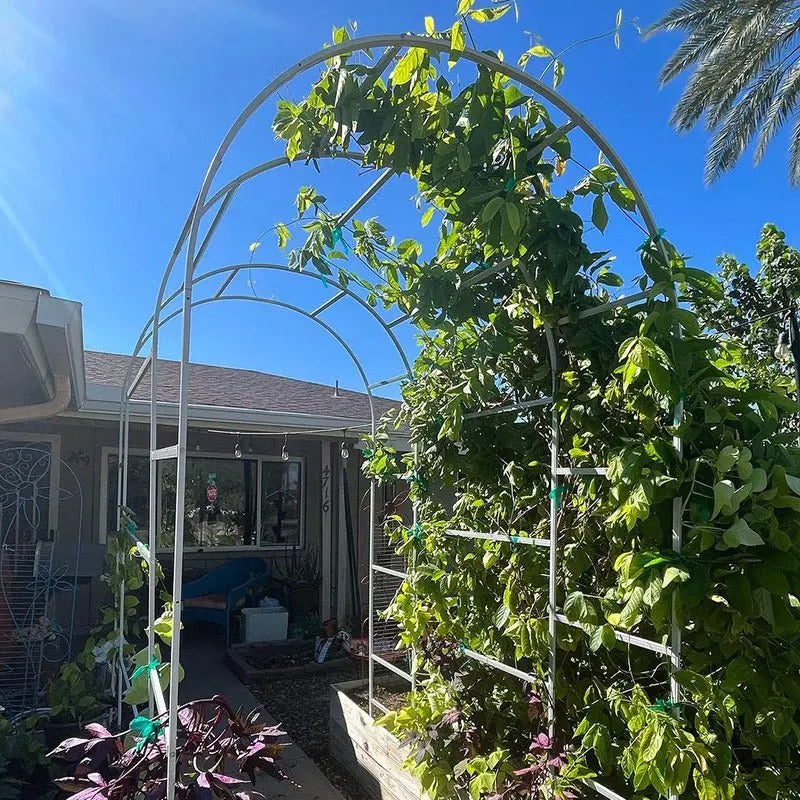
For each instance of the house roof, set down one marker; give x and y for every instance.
(235, 388)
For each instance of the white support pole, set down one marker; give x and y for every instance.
(488, 412)
(327, 539)
(373, 499)
(553, 566)
(152, 511)
(500, 537)
(180, 494)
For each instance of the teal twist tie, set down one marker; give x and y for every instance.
(416, 531)
(149, 730)
(461, 647)
(131, 527)
(556, 494)
(511, 184)
(666, 706)
(324, 281)
(336, 236)
(650, 240)
(367, 453)
(514, 539)
(146, 668)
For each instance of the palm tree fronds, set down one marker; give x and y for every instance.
(745, 80)
(740, 125)
(781, 109)
(794, 154)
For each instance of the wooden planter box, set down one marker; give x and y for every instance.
(248, 673)
(368, 752)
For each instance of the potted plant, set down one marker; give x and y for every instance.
(75, 699)
(299, 574)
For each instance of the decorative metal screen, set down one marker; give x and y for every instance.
(31, 635)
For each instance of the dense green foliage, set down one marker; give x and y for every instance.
(25, 772)
(477, 158)
(752, 310)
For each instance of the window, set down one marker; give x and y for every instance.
(219, 506)
(281, 502)
(249, 502)
(138, 490)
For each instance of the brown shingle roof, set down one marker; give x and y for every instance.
(236, 388)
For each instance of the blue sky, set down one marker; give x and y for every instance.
(110, 111)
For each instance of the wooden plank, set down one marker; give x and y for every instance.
(370, 753)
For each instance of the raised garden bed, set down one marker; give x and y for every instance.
(263, 661)
(368, 752)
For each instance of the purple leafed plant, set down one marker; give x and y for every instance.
(213, 741)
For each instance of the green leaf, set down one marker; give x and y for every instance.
(427, 216)
(283, 235)
(489, 14)
(456, 42)
(512, 215)
(740, 534)
(407, 66)
(575, 607)
(793, 483)
(463, 157)
(728, 457)
(464, 6)
(430, 26)
(491, 208)
(675, 575)
(599, 213)
(558, 72)
(618, 20)
(723, 492)
(622, 196)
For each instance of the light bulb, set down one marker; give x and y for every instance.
(344, 452)
(237, 450)
(284, 454)
(782, 351)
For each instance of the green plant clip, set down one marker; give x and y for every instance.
(148, 730)
(145, 669)
(556, 494)
(367, 453)
(511, 184)
(336, 236)
(652, 240)
(666, 706)
(416, 531)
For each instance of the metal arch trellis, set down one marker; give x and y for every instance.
(393, 44)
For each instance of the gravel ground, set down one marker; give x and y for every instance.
(301, 705)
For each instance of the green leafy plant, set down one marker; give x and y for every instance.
(502, 190)
(25, 771)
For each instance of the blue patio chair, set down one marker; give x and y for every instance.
(221, 591)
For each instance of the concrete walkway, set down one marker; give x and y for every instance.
(203, 659)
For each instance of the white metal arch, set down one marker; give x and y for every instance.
(221, 199)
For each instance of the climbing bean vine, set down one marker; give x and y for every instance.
(497, 193)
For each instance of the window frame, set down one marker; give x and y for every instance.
(107, 452)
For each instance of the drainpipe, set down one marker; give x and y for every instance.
(59, 403)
